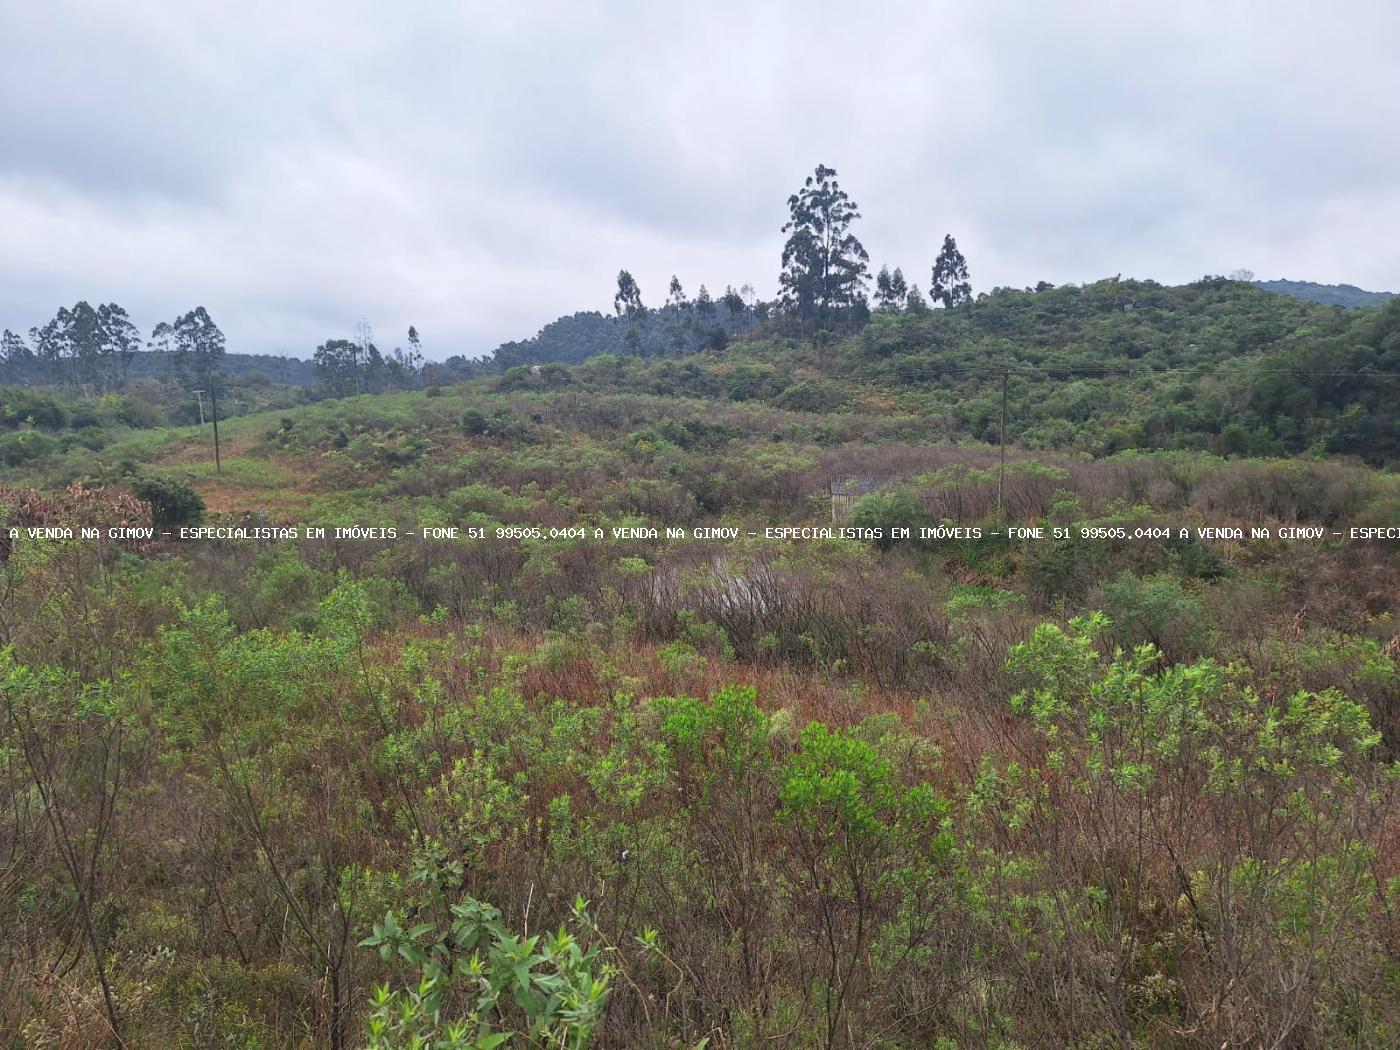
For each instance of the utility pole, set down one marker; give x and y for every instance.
(214, 400)
(1001, 477)
(200, 394)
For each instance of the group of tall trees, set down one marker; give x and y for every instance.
(90, 349)
(826, 268)
(355, 366)
(628, 300)
(197, 346)
(86, 348)
(704, 322)
(825, 271)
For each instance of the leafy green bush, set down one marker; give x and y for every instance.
(19, 406)
(503, 423)
(1186, 797)
(173, 502)
(885, 511)
(93, 438)
(25, 447)
(549, 989)
(811, 395)
(1156, 610)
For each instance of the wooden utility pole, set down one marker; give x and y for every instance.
(1001, 477)
(214, 409)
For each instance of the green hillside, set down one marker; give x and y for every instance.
(616, 765)
(1218, 366)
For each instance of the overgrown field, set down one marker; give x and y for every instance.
(672, 793)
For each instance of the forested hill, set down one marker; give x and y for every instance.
(1218, 365)
(1208, 321)
(1328, 294)
(671, 329)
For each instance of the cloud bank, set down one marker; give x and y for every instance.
(477, 170)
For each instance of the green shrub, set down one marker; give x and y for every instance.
(93, 438)
(885, 511)
(549, 989)
(173, 502)
(503, 423)
(19, 406)
(811, 395)
(25, 447)
(1156, 609)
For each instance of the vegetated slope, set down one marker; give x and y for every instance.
(731, 769)
(586, 334)
(1218, 365)
(790, 792)
(1328, 294)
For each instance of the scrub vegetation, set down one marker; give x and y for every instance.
(564, 789)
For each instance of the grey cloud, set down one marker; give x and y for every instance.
(478, 169)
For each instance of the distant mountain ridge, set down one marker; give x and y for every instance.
(1347, 295)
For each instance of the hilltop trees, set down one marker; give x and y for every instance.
(891, 290)
(402, 369)
(824, 265)
(398, 369)
(337, 361)
(950, 285)
(87, 348)
(704, 305)
(18, 359)
(628, 300)
(733, 301)
(676, 296)
(347, 366)
(194, 342)
(199, 349)
(823, 279)
(120, 338)
(66, 343)
(198, 344)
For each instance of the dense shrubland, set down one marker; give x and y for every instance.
(963, 793)
(1218, 366)
(637, 794)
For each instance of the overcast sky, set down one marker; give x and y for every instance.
(479, 169)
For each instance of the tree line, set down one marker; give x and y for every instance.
(356, 366)
(825, 272)
(89, 351)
